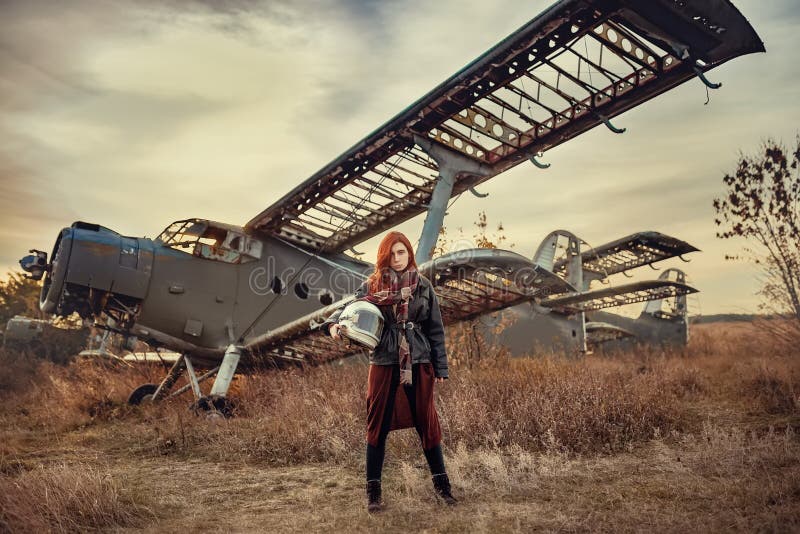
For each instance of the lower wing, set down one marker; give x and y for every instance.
(468, 283)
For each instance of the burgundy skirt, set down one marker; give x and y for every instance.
(423, 417)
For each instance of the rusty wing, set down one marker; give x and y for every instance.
(576, 66)
(473, 282)
(627, 253)
(467, 283)
(620, 295)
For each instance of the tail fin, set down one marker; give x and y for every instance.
(672, 307)
(546, 256)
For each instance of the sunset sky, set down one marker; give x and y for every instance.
(133, 114)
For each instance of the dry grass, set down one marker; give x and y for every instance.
(67, 498)
(653, 439)
(318, 415)
(721, 479)
(776, 389)
(41, 395)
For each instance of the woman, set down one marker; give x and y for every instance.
(408, 359)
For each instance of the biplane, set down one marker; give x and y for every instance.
(226, 297)
(663, 322)
(580, 320)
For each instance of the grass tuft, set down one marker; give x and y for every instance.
(68, 498)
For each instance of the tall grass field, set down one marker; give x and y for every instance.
(700, 438)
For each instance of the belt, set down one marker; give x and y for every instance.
(408, 325)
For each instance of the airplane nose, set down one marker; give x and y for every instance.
(35, 264)
(56, 272)
(89, 264)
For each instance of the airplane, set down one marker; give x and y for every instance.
(575, 322)
(228, 297)
(661, 323)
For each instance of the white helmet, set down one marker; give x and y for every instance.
(362, 322)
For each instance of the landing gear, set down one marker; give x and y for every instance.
(216, 403)
(142, 393)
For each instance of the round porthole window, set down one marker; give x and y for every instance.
(276, 286)
(301, 290)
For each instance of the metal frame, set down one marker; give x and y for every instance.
(636, 250)
(579, 64)
(617, 296)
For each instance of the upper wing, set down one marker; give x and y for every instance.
(467, 284)
(637, 250)
(573, 67)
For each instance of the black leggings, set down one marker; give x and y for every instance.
(376, 454)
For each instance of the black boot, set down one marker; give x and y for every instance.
(441, 483)
(374, 496)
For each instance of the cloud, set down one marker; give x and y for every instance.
(133, 114)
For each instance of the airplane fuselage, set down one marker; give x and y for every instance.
(528, 332)
(211, 286)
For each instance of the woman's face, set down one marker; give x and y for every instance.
(399, 258)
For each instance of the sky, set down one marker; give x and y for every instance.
(134, 114)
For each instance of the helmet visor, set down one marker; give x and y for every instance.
(367, 322)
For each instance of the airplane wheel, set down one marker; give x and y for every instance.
(142, 393)
(214, 406)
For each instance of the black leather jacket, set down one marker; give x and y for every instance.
(426, 334)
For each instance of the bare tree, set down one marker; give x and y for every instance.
(472, 349)
(761, 206)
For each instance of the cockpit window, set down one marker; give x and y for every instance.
(205, 240)
(184, 234)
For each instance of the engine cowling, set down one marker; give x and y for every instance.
(90, 263)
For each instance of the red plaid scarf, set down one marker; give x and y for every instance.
(399, 288)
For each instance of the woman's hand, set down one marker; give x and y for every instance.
(334, 331)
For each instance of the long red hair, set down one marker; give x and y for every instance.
(383, 264)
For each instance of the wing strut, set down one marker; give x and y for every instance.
(451, 165)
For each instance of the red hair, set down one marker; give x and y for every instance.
(385, 257)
